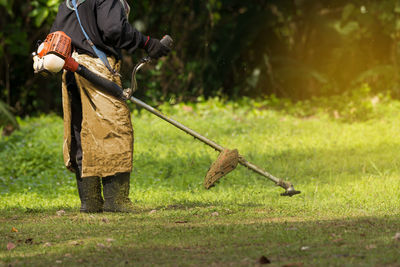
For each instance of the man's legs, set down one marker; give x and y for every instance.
(116, 193)
(89, 188)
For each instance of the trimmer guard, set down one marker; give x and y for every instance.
(225, 163)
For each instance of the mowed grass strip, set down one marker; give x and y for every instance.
(347, 214)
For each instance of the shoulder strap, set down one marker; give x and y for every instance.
(68, 3)
(98, 52)
(126, 7)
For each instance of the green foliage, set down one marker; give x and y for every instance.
(43, 9)
(354, 106)
(23, 23)
(6, 117)
(7, 5)
(35, 155)
(297, 50)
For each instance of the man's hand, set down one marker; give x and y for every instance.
(156, 49)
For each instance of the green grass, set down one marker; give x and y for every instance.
(347, 214)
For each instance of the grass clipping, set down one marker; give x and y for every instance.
(225, 163)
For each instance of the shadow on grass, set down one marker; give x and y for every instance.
(186, 205)
(147, 240)
(178, 206)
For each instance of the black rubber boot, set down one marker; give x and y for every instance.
(89, 190)
(116, 193)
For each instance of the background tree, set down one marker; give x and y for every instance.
(295, 49)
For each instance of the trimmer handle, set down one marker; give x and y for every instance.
(167, 41)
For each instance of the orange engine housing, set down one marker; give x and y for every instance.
(57, 43)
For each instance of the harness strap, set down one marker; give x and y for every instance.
(98, 52)
(124, 3)
(68, 3)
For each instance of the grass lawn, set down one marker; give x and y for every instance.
(347, 214)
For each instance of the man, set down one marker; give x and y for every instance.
(98, 135)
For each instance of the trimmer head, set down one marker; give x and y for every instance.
(290, 191)
(225, 163)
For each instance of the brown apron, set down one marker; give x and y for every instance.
(107, 134)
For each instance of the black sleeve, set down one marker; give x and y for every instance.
(115, 28)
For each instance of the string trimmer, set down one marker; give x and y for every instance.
(227, 160)
(55, 54)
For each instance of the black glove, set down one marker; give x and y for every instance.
(156, 49)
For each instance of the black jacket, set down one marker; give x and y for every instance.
(105, 23)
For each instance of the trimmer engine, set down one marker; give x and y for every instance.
(52, 53)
